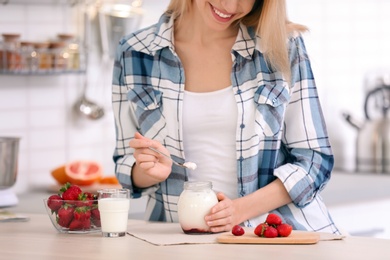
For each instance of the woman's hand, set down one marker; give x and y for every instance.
(224, 215)
(150, 167)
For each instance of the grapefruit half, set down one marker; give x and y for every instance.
(109, 180)
(59, 175)
(83, 172)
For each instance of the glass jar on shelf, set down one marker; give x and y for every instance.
(72, 50)
(59, 56)
(28, 57)
(43, 56)
(10, 53)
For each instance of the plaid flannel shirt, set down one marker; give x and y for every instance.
(280, 131)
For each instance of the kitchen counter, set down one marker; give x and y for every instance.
(360, 195)
(37, 239)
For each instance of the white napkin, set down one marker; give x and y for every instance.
(163, 234)
(7, 216)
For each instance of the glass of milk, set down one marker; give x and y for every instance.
(114, 205)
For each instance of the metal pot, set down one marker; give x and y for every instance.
(9, 154)
(373, 140)
(117, 20)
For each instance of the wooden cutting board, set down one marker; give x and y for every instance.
(296, 237)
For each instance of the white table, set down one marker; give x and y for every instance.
(37, 239)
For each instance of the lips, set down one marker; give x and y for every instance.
(221, 16)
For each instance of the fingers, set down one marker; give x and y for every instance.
(140, 141)
(221, 217)
(147, 159)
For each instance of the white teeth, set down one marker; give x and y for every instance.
(222, 15)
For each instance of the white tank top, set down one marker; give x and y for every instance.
(209, 129)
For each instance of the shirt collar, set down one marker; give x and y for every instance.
(244, 45)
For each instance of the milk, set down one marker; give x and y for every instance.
(114, 214)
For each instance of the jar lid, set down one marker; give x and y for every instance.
(64, 36)
(56, 45)
(41, 45)
(197, 185)
(24, 43)
(11, 36)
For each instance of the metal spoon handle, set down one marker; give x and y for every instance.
(167, 156)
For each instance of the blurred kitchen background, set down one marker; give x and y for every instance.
(348, 44)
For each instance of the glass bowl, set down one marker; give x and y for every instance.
(72, 216)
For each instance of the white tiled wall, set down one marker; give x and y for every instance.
(348, 42)
(347, 39)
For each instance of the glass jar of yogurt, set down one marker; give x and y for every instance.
(194, 204)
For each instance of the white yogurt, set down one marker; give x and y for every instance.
(190, 165)
(114, 214)
(194, 204)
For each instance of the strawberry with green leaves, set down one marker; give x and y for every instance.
(82, 213)
(78, 224)
(260, 229)
(65, 215)
(84, 199)
(70, 192)
(54, 202)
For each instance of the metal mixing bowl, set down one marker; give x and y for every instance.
(9, 153)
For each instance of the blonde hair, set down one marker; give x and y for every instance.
(269, 17)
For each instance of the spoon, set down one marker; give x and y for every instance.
(83, 105)
(187, 165)
(87, 107)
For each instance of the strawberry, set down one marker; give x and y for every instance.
(54, 202)
(84, 199)
(259, 230)
(273, 219)
(82, 213)
(284, 230)
(87, 224)
(270, 232)
(76, 224)
(90, 196)
(95, 217)
(238, 230)
(65, 215)
(70, 192)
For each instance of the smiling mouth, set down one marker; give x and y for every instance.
(220, 14)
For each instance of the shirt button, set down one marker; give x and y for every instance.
(274, 100)
(239, 91)
(242, 126)
(241, 159)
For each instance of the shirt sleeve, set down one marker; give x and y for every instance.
(305, 136)
(125, 127)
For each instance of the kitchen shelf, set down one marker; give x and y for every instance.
(40, 73)
(45, 2)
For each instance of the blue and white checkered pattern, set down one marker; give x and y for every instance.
(280, 127)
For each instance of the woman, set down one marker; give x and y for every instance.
(214, 82)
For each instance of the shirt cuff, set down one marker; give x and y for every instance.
(297, 182)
